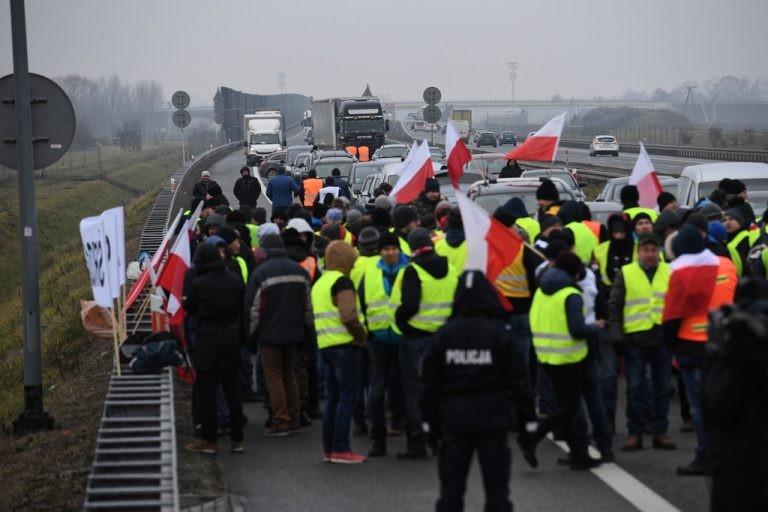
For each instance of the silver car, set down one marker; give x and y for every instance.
(491, 195)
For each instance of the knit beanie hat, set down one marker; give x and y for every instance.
(419, 238)
(688, 241)
(547, 191)
(403, 215)
(629, 195)
(664, 199)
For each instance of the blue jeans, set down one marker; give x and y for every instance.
(593, 397)
(411, 355)
(690, 369)
(608, 363)
(384, 362)
(660, 362)
(341, 377)
(520, 329)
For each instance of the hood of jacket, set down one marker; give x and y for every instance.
(435, 265)
(475, 296)
(553, 280)
(569, 212)
(207, 259)
(340, 256)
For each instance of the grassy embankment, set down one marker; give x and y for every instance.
(76, 367)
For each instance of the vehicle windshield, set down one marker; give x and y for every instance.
(753, 185)
(363, 125)
(363, 171)
(606, 139)
(294, 152)
(614, 194)
(446, 188)
(555, 173)
(392, 179)
(324, 169)
(392, 151)
(487, 166)
(489, 202)
(265, 138)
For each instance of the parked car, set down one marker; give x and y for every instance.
(323, 162)
(508, 138)
(612, 188)
(494, 193)
(477, 135)
(566, 175)
(446, 187)
(362, 170)
(604, 145)
(270, 165)
(391, 151)
(698, 181)
(487, 139)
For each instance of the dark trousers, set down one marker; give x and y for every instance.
(495, 460)
(208, 381)
(411, 355)
(363, 379)
(637, 360)
(567, 386)
(593, 397)
(279, 363)
(306, 375)
(384, 362)
(340, 379)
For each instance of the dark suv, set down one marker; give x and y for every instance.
(508, 138)
(487, 139)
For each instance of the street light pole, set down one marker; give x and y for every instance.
(512, 76)
(33, 417)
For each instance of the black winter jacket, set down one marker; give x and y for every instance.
(247, 189)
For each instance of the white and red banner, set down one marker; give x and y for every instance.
(417, 169)
(457, 154)
(691, 285)
(171, 277)
(542, 145)
(646, 180)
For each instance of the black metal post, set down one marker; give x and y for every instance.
(33, 417)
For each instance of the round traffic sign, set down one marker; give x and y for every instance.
(432, 114)
(432, 95)
(180, 100)
(53, 121)
(181, 118)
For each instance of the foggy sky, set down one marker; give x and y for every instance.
(576, 48)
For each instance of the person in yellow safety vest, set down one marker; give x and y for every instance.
(235, 260)
(738, 241)
(340, 334)
(516, 208)
(405, 220)
(441, 220)
(548, 198)
(250, 225)
(517, 282)
(421, 301)
(618, 251)
(635, 310)
(310, 188)
(454, 246)
(629, 197)
(368, 253)
(383, 343)
(584, 239)
(559, 338)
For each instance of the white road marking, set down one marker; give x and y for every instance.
(625, 485)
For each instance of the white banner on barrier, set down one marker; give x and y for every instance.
(94, 248)
(113, 228)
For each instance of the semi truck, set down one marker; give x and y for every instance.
(264, 134)
(341, 122)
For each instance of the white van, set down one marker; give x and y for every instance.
(697, 181)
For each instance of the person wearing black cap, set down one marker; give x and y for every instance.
(374, 292)
(426, 203)
(422, 296)
(705, 283)
(559, 337)
(279, 318)
(214, 299)
(666, 201)
(630, 197)
(548, 224)
(634, 308)
(235, 262)
(548, 198)
(472, 375)
(516, 207)
(247, 188)
(737, 198)
(405, 220)
(738, 240)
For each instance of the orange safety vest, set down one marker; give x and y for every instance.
(362, 153)
(694, 328)
(310, 265)
(352, 150)
(594, 227)
(312, 187)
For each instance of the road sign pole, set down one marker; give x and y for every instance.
(183, 150)
(33, 417)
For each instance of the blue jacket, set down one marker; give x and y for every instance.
(280, 190)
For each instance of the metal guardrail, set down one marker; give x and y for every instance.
(726, 154)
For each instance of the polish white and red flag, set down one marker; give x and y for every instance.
(691, 285)
(417, 169)
(542, 145)
(458, 154)
(646, 180)
(171, 278)
(491, 246)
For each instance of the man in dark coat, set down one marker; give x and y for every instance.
(247, 189)
(426, 203)
(214, 298)
(511, 170)
(279, 315)
(343, 184)
(200, 192)
(471, 371)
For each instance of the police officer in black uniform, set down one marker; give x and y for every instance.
(472, 374)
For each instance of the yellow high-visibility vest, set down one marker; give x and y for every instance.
(549, 326)
(330, 330)
(643, 299)
(436, 301)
